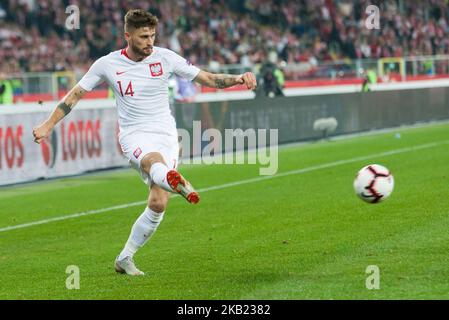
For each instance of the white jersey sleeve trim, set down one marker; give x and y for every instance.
(94, 76)
(182, 67)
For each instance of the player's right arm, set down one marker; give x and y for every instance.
(62, 109)
(90, 80)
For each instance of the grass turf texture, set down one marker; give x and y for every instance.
(300, 236)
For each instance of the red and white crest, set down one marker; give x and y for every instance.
(156, 69)
(137, 153)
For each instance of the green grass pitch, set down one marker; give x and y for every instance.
(302, 235)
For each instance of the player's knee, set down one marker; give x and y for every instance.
(146, 163)
(149, 159)
(157, 205)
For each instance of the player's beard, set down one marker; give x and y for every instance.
(141, 52)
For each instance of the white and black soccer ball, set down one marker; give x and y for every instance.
(374, 183)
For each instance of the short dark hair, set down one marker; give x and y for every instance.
(138, 18)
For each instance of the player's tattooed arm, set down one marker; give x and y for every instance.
(221, 81)
(72, 98)
(66, 108)
(225, 81)
(62, 109)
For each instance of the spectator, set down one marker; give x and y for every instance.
(33, 35)
(369, 79)
(272, 78)
(6, 90)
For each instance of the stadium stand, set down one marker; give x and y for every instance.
(33, 36)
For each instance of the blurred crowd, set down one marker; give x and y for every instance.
(33, 34)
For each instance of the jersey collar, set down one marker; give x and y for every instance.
(123, 52)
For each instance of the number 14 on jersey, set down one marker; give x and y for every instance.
(129, 89)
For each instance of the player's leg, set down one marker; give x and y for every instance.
(155, 157)
(142, 230)
(169, 179)
(155, 166)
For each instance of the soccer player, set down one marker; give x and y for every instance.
(139, 76)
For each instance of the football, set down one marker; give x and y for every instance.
(374, 183)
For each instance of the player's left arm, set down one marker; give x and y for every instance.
(221, 81)
(62, 109)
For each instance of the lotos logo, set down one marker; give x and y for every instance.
(49, 150)
(78, 140)
(12, 152)
(81, 139)
(156, 69)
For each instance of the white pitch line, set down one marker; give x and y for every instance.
(236, 183)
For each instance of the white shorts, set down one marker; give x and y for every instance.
(138, 144)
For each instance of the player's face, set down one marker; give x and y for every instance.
(141, 40)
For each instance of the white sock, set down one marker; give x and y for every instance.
(158, 174)
(141, 232)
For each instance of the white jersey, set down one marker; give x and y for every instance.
(141, 88)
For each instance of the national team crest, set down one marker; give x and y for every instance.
(156, 69)
(137, 153)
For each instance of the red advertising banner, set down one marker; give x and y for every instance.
(85, 140)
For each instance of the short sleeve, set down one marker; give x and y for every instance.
(182, 67)
(94, 75)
